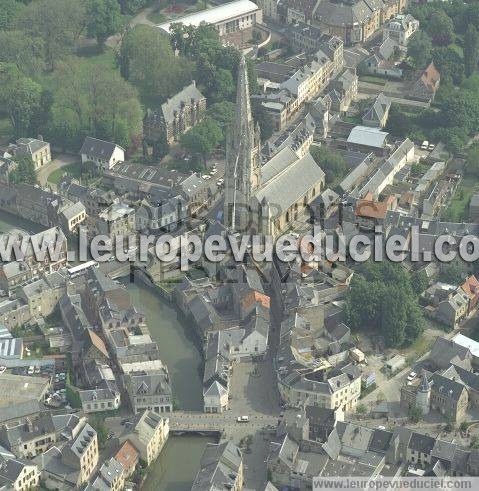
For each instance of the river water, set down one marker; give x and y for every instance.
(177, 465)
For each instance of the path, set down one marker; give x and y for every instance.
(141, 18)
(61, 160)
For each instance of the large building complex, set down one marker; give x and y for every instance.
(227, 19)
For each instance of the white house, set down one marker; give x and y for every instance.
(401, 28)
(104, 154)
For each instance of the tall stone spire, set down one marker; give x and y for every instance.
(243, 168)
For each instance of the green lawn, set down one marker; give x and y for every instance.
(73, 169)
(458, 208)
(372, 79)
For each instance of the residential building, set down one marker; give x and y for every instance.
(37, 149)
(73, 464)
(148, 434)
(128, 457)
(343, 90)
(425, 86)
(105, 155)
(101, 399)
(18, 475)
(149, 390)
(176, 116)
(221, 466)
(111, 476)
(228, 18)
(118, 220)
(34, 435)
(400, 28)
(453, 310)
(377, 114)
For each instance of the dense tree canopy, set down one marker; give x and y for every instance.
(441, 28)
(331, 162)
(103, 19)
(24, 171)
(58, 23)
(20, 98)
(471, 50)
(382, 299)
(419, 48)
(202, 139)
(94, 102)
(147, 60)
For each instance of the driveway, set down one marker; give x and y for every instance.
(58, 162)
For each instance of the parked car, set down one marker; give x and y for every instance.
(431, 147)
(425, 145)
(411, 376)
(242, 419)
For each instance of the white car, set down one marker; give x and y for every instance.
(431, 147)
(425, 145)
(242, 419)
(206, 177)
(411, 376)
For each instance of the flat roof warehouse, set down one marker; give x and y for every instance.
(213, 16)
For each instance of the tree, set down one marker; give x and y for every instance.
(24, 171)
(399, 124)
(381, 298)
(449, 64)
(450, 273)
(419, 48)
(202, 139)
(361, 408)
(9, 10)
(471, 50)
(464, 426)
(103, 19)
(331, 162)
(148, 61)
(414, 414)
(474, 442)
(472, 162)
(223, 113)
(263, 118)
(58, 23)
(441, 28)
(20, 98)
(24, 52)
(96, 102)
(419, 282)
(132, 6)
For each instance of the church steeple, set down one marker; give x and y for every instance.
(243, 168)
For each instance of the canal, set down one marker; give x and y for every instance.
(177, 465)
(178, 345)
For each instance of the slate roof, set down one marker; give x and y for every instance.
(377, 111)
(286, 178)
(219, 467)
(98, 149)
(185, 96)
(421, 443)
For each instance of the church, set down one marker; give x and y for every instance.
(267, 197)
